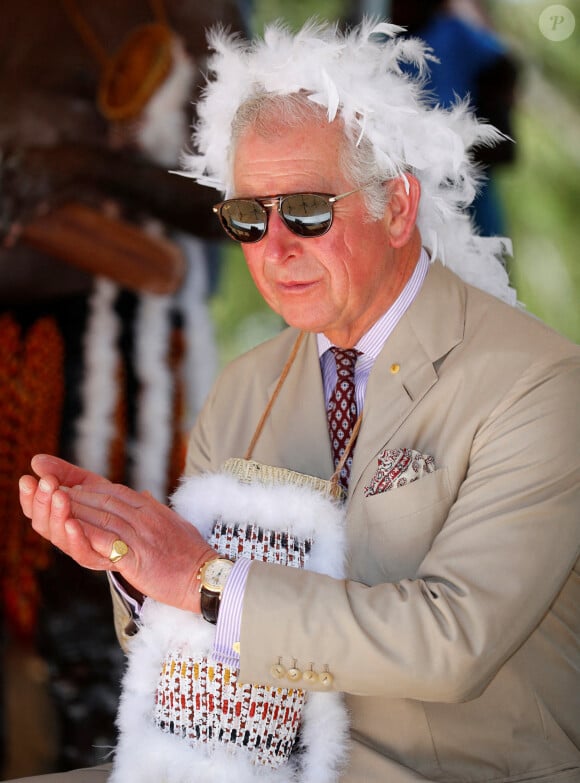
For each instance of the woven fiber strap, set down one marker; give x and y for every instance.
(249, 471)
(279, 475)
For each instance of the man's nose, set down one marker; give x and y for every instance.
(281, 242)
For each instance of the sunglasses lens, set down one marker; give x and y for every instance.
(307, 214)
(244, 219)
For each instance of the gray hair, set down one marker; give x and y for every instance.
(268, 113)
(358, 78)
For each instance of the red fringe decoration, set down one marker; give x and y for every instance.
(31, 400)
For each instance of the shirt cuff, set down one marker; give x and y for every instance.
(227, 636)
(131, 603)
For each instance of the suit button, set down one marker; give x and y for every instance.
(326, 679)
(294, 674)
(277, 671)
(310, 676)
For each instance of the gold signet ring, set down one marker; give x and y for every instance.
(119, 550)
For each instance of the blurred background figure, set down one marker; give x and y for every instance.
(473, 64)
(106, 344)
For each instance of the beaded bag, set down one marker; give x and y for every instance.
(185, 717)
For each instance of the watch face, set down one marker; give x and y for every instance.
(216, 573)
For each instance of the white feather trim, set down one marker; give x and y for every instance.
(162, 126)
(201, 500)
(155, 400)
(147, 755)
(201, 360)
(100, 387)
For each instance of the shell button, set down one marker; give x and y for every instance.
(326, 679)
(277, 671)
(294, 674)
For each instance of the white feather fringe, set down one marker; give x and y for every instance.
(99, 388)
(160, 134)
(155, 404)
(163, 124)
(201, 360)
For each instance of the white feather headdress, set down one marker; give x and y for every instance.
(361, 76)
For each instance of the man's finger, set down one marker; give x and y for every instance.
(90, 546)
(27, 487)
(115, 496)
(66, 473)
(41, 505)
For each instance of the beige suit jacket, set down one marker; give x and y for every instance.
(455, 638)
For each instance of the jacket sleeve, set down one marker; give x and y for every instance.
(507, 546)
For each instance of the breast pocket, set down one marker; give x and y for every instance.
(398, 527)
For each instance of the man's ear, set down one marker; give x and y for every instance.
(402, 207)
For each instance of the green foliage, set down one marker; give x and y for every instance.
(295, 12)
(542, 190)
(541, 197)
(241, 317)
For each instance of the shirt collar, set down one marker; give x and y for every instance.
(371, 343)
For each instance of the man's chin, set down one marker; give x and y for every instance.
(302, 317)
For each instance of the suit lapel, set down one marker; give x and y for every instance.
(405, 370)
(296, 433)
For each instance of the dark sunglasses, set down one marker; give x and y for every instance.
(305, 214)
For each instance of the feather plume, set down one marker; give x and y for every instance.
(361, 76)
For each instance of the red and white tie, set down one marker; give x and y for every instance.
(342, 411)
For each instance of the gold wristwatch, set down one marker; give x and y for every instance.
(212, 577)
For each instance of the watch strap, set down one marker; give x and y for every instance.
(210, 595)
(210, 605)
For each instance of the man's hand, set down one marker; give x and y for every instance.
(83, 514)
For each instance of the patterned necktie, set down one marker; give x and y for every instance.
(342, 412)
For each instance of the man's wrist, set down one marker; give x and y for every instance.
(128, 588)
(229, 625)
(212, 577)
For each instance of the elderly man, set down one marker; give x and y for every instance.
(453, 635)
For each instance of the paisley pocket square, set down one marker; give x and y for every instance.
(398, 467)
